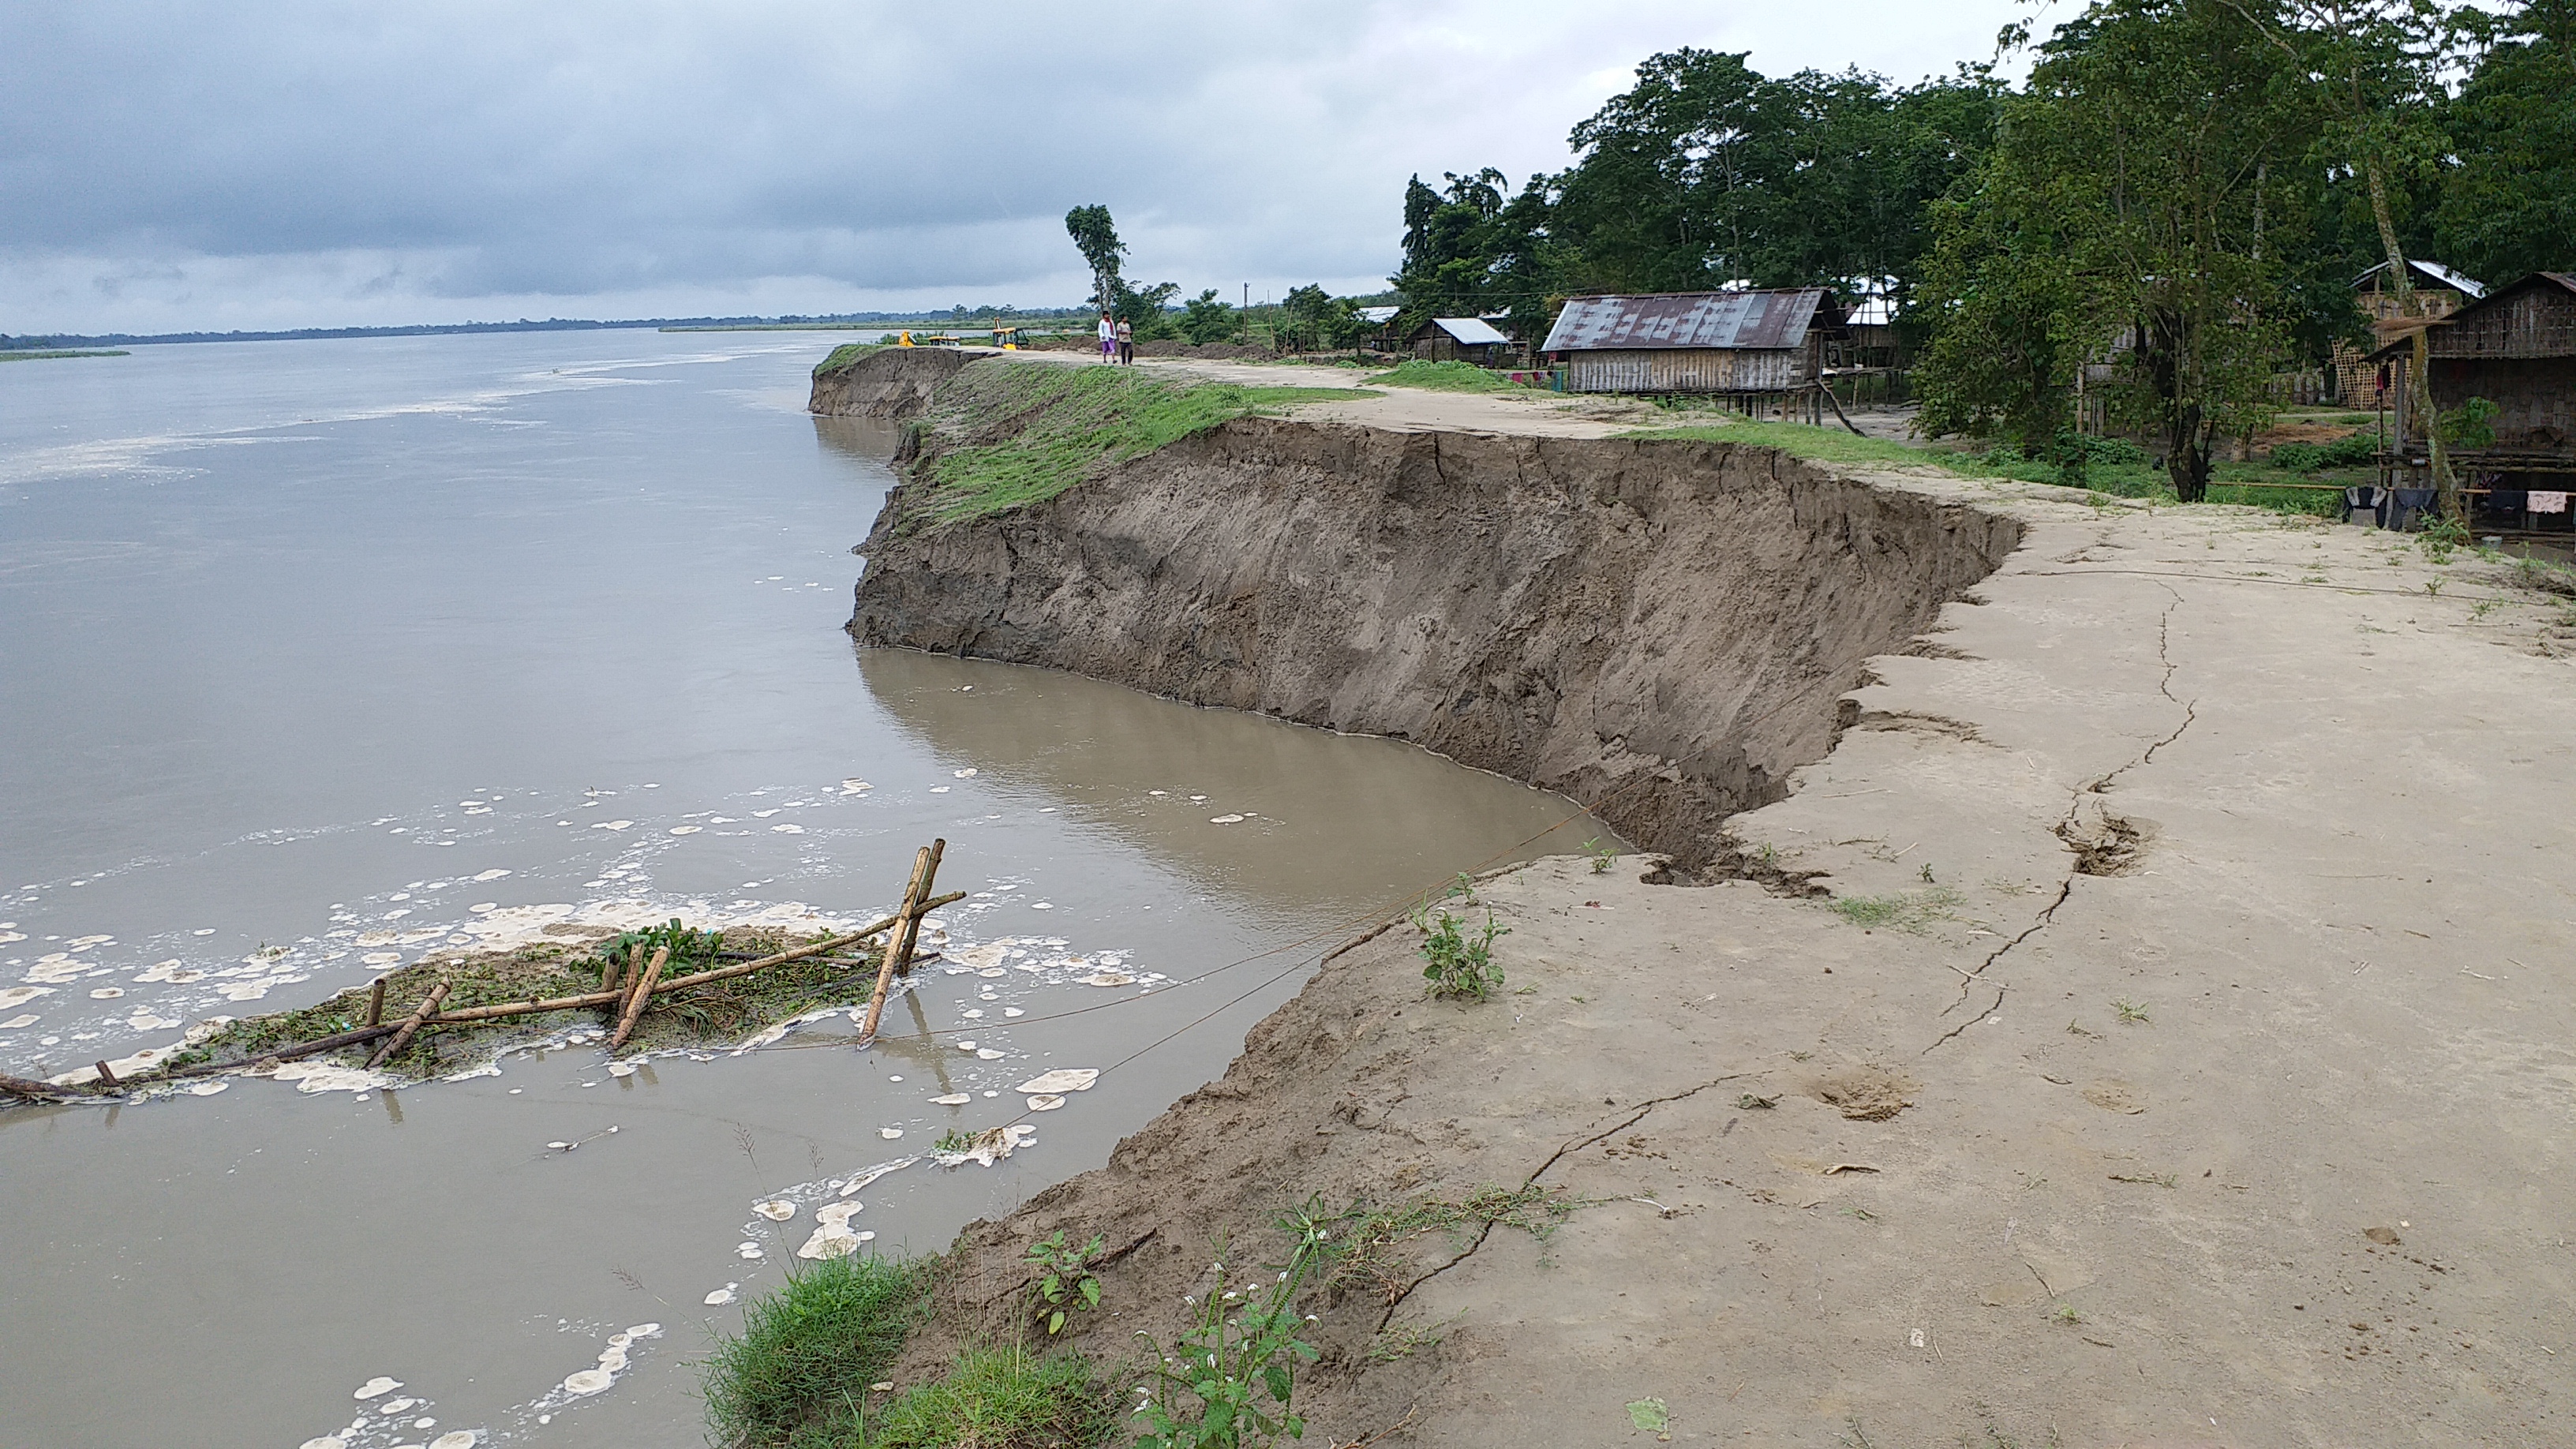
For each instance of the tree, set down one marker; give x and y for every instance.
(1204, 319)
(2372, 67)
(1310, 319)
(2509, 207)
(1144, 309)
(2137, 207)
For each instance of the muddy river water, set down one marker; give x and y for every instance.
(315, 655)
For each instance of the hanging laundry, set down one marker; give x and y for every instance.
(2540, 502)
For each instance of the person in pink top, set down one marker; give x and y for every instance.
(1108, 339)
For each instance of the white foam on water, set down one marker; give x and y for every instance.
(18, 995)
(376, 1387)
(588, 1381)
(1225, 820)
(890, 1133)
(954, 1099)
(721, 1296)
(777, 1210)
(966, 774)
(1045, 1103)
(1062, 1079)
(22, 1019)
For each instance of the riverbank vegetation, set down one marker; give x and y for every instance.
(24, 355)
(1003, 436)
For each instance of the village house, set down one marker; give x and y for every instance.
(2435, 292)
(1459, 339)
(1752, 345)
(2515, 348)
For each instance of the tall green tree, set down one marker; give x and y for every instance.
(2138, 206)
(1146, 309)
(2509, 205)
(2371, 68)
(1096, 237)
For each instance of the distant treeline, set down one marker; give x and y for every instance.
(952, 316)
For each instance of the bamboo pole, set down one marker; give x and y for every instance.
(31, 1090)
(919, 886)
(402, 1037)
(643, 992)
(801, 952)
(376, 1003)
(911, 932)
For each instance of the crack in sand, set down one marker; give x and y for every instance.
(2047, 916)
(1636, 1115)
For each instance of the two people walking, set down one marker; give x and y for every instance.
(1117, 341)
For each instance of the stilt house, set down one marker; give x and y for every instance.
(1460, 339)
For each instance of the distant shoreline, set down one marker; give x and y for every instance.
(19, 347)
(21, 355)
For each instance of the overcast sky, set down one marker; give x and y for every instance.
(255, 165)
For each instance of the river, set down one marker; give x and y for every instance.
(317, 654)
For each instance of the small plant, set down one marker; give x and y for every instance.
(1065, 1282)
(954, 1140)
(1603, 857)
(2066, 1315)
(1460, 967)
(1925, 874)
(1752, 1103)
(1403, 1340)
(1232, 1379)
(2130, 1012)
(2441, 538)
(686, 943)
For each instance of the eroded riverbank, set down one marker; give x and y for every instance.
(2177, 1058)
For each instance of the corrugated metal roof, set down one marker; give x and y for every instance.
(1377, 316)
(1686, 319)
(1471, 331)
(2469, 287)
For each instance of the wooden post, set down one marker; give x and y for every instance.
(376, 1003)
(913, 892)
(107, 1077)
(400, 1039)
(635, 1000)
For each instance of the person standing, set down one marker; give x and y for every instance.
(1126, 344)
(1108, 338)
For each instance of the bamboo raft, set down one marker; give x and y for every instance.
(627, 986)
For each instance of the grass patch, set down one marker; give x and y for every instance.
(1909, 911)
(23, 355)
(998, 1399)
(845, 357)
(800, 1371)
(1445, 377)
(1011, 434)
(1371, 1238)
(2253, 485)
(718, 1012)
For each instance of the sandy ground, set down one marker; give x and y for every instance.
(2211, 1085)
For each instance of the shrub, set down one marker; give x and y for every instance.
(1460, 966)
(808, 1352)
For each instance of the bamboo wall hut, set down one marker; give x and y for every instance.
(1751, 342)
(2437, 292)
(2516, 348)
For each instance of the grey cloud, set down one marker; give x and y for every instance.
(579, 148)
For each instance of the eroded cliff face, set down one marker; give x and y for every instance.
(892, 382)
(1659, 629)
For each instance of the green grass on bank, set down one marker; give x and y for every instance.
(2116, 473)
(999, 1399)
(22, 355)
(1445, 377)
(1012, 434)
(800, 1371)
(844, 355)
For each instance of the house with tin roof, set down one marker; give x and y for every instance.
(1746, 342)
